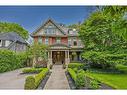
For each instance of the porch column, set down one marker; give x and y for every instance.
(66, 57)
(49, 58)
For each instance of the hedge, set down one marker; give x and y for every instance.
(33, 82)
(72, 73)
(32, 70)
(79, 78)
(10, 60)
(76, 65)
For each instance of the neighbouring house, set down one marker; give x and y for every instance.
(65, 45)
(12, 41)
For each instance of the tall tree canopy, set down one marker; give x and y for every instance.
(104, 35)
(105, 28)
(13, 27)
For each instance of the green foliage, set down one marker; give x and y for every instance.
(10, 60)
(122, 68)
(72, 74)
(30, 83)
(33, 82)
(78, 77)
(104, 60)
(39, 77)
(13, 27)
(32, 70)
(76, 65)
(80, 80)
(38, 51)
(94, 84)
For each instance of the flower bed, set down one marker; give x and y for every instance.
(32, 82)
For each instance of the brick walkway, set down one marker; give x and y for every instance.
(58, 79)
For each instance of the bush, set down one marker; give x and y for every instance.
(94, 84)
(9, 60)
(35, 80)
(72, 74)
(76, 65)
(80, 80)
(39, 77)
(104, 60)
(32, 70)
(121, 68)
(30, 82)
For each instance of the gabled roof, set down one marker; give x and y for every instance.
(12, 36)
(60, 28)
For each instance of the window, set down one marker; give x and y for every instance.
(7, 43)
(58, 40)
(46, 40)
(50, 29)
(40, 40)
(0, 43)
(69, 41)
(74, 42)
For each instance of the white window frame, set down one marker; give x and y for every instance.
(46, 40)
(0, 43)
(40, 40)
(69, 41)
(58, 40)
(7, 43)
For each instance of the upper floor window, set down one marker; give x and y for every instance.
(74, 41)
(69, 41)
(40, 40)
(46, 40)
(58, 40)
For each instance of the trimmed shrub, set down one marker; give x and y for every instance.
(36, 80)
(76, 65)
(72, 74)
(30, 83)
(32, 70)
(10, 60)
(94, 84)
(80, 80)
(39, 77)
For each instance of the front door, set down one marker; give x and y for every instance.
(58, 57)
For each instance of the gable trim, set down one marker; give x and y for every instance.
(41, 26)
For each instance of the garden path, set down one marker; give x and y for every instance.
(12, 80)
(58, 79)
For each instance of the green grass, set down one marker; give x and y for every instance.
(117, 81)
(122, 68)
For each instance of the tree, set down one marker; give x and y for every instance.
(38, 52)
(13, 27)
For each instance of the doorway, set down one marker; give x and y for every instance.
(58, 57)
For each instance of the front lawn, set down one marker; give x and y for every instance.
(118, 81)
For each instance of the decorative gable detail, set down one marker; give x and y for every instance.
(49, 28)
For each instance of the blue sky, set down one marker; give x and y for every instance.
(30, 17)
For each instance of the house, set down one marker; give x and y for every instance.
(65, 45)
(12, 41)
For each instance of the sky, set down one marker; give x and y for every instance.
(30, 17)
